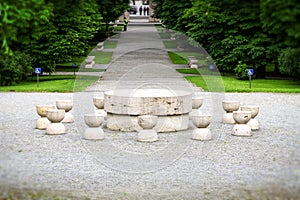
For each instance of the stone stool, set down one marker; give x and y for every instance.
(43, 122)
(99, 104)
(201, 132)
(229, 107)
(241, 128)
(253, 123)
(55, 116)
(94, 131)
(196, 105)
(100, 46)
(66, 105)
(148, 134)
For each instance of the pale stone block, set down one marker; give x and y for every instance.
(148, 102)
(253, 123)
(201, 134)
(147, 135)
(91, 65)
(69, 118)
(55, 129)
(42, 123)
(89, 59)
(228, 118)
(94, 134)
(194, 66)
(164, 123)
(242, 130)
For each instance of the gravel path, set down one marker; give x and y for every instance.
(264, 166)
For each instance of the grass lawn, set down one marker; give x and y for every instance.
(53, 83)
(181, 57)
(110, 44)
(101, 57)
(164, 35)
(170, 44)
(214, 84)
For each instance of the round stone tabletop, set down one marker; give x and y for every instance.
(147, 102)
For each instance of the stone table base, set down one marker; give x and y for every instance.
(164, 124)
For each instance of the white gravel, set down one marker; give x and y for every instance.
(264, 166)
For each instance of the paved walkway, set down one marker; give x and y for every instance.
(140, 60)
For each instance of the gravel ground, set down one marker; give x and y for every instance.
(34, 165)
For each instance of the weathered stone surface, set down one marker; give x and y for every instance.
(230, 106)
(253, 109)
(201, 134)
(241, 117)
(89, 59)
(42, 123)
(147, 121)
(91, 65)
(55, 115)
(147, 135)
(228, 118)
(64, 105)
(69, 118)
(164, 123)
(201, 121)
(55, 129)
(253, 123)
(41, 109)
(148, 102)
(93, 134)
(93, 120)
(242, 130)
(101, 112)
(197, 102)
(98, 102)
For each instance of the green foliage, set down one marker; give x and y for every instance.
(234, 85)
(14, 68)
(241, 71)
(289, 62)
(53, 83)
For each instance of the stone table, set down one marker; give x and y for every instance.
(172, 107)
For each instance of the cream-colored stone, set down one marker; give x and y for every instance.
(69, 118)
(201, 134)
(195, 112)
(55, 129)
(242, 130)
(41, 109)
(197, 102)
(91, 65)
(228, 118)
(230, 106)
(253, 109)
(201, 121)
(93, 120)
(147, 135)
(148, 102)
(241, 117)
(93, 134)
(253, 123)
(42, 123)
(89, 59)
(64, 105)
(194, 66)
(164, 123)
(55, 115)
(147, 121)
(101, 112)
(98, 102)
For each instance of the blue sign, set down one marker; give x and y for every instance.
(250, 72)
(38, 70)
(74, 64)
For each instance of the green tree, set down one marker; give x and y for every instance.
(112, 10)
(289, 62)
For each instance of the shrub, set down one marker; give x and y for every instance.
(241, 71)
(289, 63)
